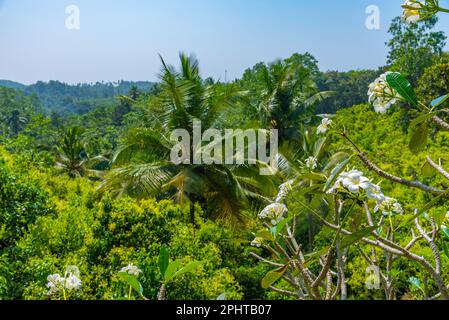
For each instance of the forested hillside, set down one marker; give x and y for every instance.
(63, 98)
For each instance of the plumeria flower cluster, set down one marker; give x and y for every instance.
(325, 125)
(283, 191)
(381, 95)
(354, 182)
(132, 270)
(70, 281)
(389, 206)
(415, 10)
(274, 212)
(311, 163)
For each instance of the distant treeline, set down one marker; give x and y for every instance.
(81, 98)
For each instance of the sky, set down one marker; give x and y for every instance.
(121, 39)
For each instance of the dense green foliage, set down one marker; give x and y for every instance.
(100, 237)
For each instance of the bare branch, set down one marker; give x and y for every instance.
(439, 168)
(285, 292)
(435, 250)
(440, 123)
(325, 270)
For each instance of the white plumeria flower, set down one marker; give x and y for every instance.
(324, 126)
(55, 283)
(257, 242)
(311, 163)
(354, 181)
(72, 282)
(283, 190)
(274, 212)
(389, 206)
(412, 11)
(374, 193)
(131, 269)
(381, 95)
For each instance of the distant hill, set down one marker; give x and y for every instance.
(62, 97)
(11, 84)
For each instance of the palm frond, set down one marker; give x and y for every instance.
(138, 180)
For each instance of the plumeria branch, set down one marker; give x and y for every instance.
(414, 184)
(440, 123)
(371, 166)
(438, 167)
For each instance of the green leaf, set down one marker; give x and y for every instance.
(187, 268)
(309, 257)
(335, 172)
(415, 282)
(131, 281)
(356, 236)
(439, 101)
(445, 231)
(273, 276)
(422, 118)
(275, 230)
(399, 83)
(439, 216)
(427, 170)
(171, 270)
(446, 250)
(419, 138)
(315, 176)
(265, 234)
(164, 259)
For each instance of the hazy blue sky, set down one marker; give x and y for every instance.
(121, 39)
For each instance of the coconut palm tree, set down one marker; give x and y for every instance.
(72, 156)
(15, 123)
(143, 166)
(288, 98)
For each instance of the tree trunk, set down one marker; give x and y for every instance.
(192, 213)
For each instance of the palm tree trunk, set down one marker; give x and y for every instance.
(192, 213)
(162, 291)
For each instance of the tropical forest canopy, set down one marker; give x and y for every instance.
(92, 208)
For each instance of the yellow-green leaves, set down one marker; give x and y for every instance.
(419, 132)
(173, 269)
(419, 138)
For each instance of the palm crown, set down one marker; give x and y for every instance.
(142, 163)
